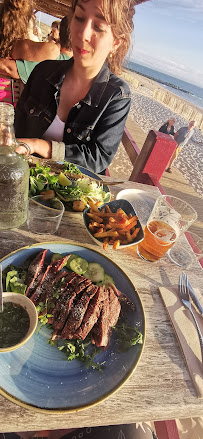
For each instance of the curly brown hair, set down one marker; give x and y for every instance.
(118, 14)
(14, 18)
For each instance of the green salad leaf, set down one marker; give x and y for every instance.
(13, 281)
(127, 335)
(76, 350)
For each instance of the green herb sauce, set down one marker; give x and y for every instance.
(14, 324)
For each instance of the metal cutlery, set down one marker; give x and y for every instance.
(110, 183)
(194, 297)
(1, 290)
(185, 298)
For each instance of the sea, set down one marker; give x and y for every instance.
(190, 92)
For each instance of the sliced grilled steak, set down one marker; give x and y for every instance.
(100, 335)
(114, 308)
(123, 299)
(91, 316)
(64, 305)
(77, 313)
(35, 269)
(108, 318)
(45, 285)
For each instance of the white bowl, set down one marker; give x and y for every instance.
(28, 305)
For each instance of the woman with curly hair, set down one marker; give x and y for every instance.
(14, 18)
(77, 109)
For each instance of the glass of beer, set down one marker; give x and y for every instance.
(170, 217)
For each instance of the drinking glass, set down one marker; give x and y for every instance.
(185, 254)
(44, 215)
(170, 217)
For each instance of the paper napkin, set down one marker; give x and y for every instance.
(186, 333)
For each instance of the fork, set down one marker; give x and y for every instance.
(185, 298)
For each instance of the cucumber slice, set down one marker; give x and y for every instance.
(107, 280)
(72, 256)
(78, 265)
(56, 257)
(95, 272)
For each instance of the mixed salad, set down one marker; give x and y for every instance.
(70, 185)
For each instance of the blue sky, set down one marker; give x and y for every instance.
(168, 37)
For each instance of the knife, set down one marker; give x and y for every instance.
(194, 298)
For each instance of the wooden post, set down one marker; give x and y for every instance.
(154, 156)
(166, 429)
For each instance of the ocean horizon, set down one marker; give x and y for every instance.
(190, 92)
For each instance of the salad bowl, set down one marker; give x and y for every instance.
(73, 185)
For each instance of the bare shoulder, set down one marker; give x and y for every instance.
(34, 51)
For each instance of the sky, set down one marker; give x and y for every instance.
(168, 37)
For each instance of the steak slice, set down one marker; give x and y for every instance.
(100, 336)
(71, 283)
(114, 308)
(34, 271)
(45, 287)
(123, 299)
(108, 318)
(77, 313)
(64, 305)
(91, 316)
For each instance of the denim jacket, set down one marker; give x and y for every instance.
(94, 126)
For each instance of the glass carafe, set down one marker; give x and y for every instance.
(14, 174)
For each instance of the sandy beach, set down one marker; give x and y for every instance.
(150, 114)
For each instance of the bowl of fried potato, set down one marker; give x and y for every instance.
(113, 225)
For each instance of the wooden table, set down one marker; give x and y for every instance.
(160, 387)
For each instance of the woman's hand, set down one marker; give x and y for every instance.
(38, 146)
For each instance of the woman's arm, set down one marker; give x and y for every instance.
(8, 67)
(33, 51)
(97, 153)
(38, 146)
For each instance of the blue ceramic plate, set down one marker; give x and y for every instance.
(37, 376)
(114, 206)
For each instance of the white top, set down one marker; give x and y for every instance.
(55, 130)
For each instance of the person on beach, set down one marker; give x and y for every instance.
(54, 34)
(76, 109)
(21, 69)
(182, 136)
(34, 31)
(168, 127)
(14, 19)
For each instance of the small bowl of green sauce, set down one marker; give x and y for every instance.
(18, 321)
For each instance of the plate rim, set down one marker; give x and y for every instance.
(109, 393)
(139, 193)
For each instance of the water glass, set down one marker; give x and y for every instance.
(170, 217)
(186, 253)
(44, 215)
